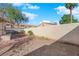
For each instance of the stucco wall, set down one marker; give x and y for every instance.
(53, 31)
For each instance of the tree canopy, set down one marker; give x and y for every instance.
(12, 13)
(71, 6)
(67, 19)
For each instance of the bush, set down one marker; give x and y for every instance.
(30, 33)
(65, 19)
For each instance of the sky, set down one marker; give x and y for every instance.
(44, 12)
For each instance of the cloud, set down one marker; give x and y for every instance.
(17, 4)
(61, 10)
(27, 5)
(64, 10)
(46, 21)
(31, 16)
(30, 6)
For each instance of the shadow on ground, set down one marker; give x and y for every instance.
(68, 45)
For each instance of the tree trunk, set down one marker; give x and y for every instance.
(3, 25)
(18, 25)
(2, 28)
(71, 15)
(11, 25)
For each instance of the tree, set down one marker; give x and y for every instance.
(3, 13)
(66, 19)
(70, 6)
(16, 15)
(11, 13)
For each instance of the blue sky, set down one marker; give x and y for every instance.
(49, 12)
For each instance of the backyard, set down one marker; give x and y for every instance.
(36, 29)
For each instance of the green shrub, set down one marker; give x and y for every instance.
(30, 33)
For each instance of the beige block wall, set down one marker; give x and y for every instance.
(53, 31)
